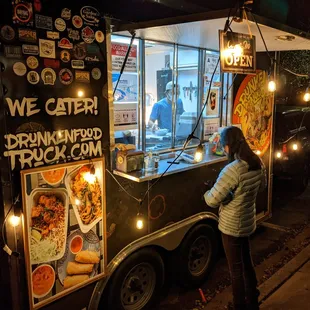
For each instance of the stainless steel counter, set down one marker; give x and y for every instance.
(142, 176)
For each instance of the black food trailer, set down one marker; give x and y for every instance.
(93, 236)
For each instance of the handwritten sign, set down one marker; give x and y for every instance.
(39, 148)
(237, 52)
(53, 106)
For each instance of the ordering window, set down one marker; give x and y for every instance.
(174, 80)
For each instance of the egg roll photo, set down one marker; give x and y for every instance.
(88, 257)
(76, 268)
(70, 281)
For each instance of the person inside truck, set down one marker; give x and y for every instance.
(162, 110)
(235, 193)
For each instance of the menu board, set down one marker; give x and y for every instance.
(65, 237)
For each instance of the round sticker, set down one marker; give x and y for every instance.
(96, 73)
(65, 76)
(88, 35)
(19, 68)
(60, 24)
(77, 21)
(80, 51)
(7, 33)
(65, 56)
(33, 77)
(32, 62)
(66, 14)
(22, 12)
(48, 76)
(99, 36)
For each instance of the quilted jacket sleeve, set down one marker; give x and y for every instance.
(226, 182)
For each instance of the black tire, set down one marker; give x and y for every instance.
(137, 283)
(197, 255)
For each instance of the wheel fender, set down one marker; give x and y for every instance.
(168, 238)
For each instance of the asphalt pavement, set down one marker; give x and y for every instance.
(274, 245)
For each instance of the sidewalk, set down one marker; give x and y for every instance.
(289, 288)
(293, 294)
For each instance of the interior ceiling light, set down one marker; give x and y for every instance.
(285, 38)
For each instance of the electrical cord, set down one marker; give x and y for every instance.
(122, 187)
(272, 58)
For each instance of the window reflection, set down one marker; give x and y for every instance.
(159, 90)
(188, 84)
(126, 95)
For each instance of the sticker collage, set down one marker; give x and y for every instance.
(49, 50)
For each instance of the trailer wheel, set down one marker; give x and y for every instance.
(137, 283)
(197, 255)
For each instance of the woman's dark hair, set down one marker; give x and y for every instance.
(238, 147)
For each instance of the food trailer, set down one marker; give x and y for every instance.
(76, 88)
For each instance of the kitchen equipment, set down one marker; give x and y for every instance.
(128, 161)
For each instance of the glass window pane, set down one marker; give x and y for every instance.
(159, 59)
(126, 97)
(187, 96)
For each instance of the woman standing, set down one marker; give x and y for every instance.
(235, 193)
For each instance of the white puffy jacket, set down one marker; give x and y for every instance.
(238, 217)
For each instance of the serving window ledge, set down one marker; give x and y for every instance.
(142, 175)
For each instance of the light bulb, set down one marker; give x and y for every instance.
(278, 154)
(199, 153)
(139, 221)
(80, 93)
(14, 220)
(271, 86)
(139, 224)
(307, 96)
(90, 178)
(77, 202)
(295, 147)
(238, 50)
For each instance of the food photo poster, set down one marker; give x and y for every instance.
(64, 226)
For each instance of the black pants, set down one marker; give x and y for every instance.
(243, 277)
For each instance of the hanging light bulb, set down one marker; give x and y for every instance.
(271, 83)
(199, 153)
(80, 93)
(139, 222)
(307, 95)
(14, 220)
(272, 86)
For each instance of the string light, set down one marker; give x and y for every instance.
(89, 177)
(307, 95)
(139, 222)
(272, 86)
(199, 153)
(295, 146)
(77, 202)
(278, 154)
(80, 93)
(14, 220)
